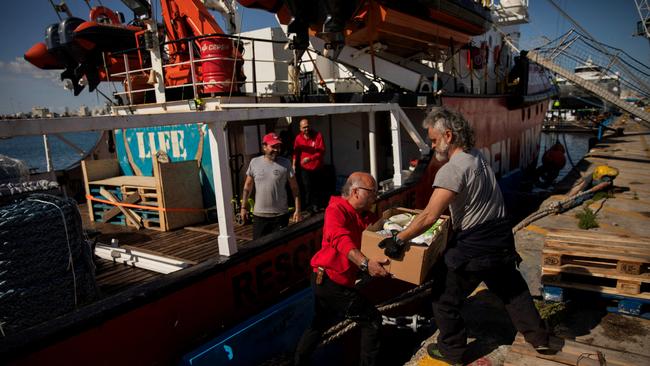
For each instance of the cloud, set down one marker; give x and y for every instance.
(19, 67)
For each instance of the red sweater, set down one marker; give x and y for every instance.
(312, 148)
(341, 233)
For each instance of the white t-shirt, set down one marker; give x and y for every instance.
(478, 197)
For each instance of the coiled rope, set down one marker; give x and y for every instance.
(560, 206)
(339, 329)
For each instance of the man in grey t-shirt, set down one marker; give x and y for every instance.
(482, 247)
(269, 175)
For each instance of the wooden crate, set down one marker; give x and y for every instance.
(598, 262)
(170, 199)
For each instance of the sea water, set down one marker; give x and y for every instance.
(576, 146)
(31, 150)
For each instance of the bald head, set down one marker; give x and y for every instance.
(360, 190)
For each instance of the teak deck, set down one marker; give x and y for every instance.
(196, 243)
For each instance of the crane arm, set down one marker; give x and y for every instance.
(186, 18)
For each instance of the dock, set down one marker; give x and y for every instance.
(594, 271)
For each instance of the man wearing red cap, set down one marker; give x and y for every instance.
(308, 151)
(268, 175)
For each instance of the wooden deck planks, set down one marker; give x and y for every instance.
(191, 245)
(571, 353)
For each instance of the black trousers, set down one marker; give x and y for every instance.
(312, 188)
(506, 282)
(333, 303)
(266, 225)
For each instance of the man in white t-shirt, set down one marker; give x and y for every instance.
(482, 248)
(268, 175)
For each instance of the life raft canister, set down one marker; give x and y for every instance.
(217, 74)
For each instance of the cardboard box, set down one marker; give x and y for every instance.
(417, 260)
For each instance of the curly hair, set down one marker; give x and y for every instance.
(442, 119)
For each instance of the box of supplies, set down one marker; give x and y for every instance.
(419, 257)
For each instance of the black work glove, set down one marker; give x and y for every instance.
(393, 247)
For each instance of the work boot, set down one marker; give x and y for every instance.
(434, 352)
(545, 349)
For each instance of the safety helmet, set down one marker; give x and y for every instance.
(603, 171)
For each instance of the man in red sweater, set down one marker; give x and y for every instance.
(308, 154)
(336, 267)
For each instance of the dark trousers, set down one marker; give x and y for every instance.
(312, 188)
(266, 225)
(506, 282)
(333, 303)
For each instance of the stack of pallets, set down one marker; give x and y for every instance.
(618, 266)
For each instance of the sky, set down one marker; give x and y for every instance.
(23, 86)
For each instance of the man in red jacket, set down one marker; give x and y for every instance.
(335, 269)
(308, 154)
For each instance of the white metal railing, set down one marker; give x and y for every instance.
(194, 82)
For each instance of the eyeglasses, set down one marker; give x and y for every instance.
(369, 190)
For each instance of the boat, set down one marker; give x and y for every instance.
(77, 46)
(573, 97)
(181, 124)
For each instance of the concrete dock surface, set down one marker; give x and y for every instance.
(582, 320)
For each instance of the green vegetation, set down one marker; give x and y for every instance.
(602, 195)
(587, 219)
(552, 312)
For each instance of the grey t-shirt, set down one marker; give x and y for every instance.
(270, 179)
(478, 197)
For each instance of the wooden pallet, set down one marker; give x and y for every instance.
(570, 353)
(597, 262)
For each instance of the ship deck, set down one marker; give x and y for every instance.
(197, 244)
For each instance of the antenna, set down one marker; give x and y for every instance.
(643, 8)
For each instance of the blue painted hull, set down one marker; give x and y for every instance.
(274, 332)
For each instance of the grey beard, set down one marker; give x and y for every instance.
(442, 156)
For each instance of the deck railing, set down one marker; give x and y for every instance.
(195, 83)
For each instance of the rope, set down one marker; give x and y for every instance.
(131, 205)
(321, 81)
(559, 206)
(568, 155)
(339, 329)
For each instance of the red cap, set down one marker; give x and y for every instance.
(271, 139)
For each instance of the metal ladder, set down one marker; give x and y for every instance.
(591, 87)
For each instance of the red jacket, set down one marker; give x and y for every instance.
(341, 233)
(312, 148)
